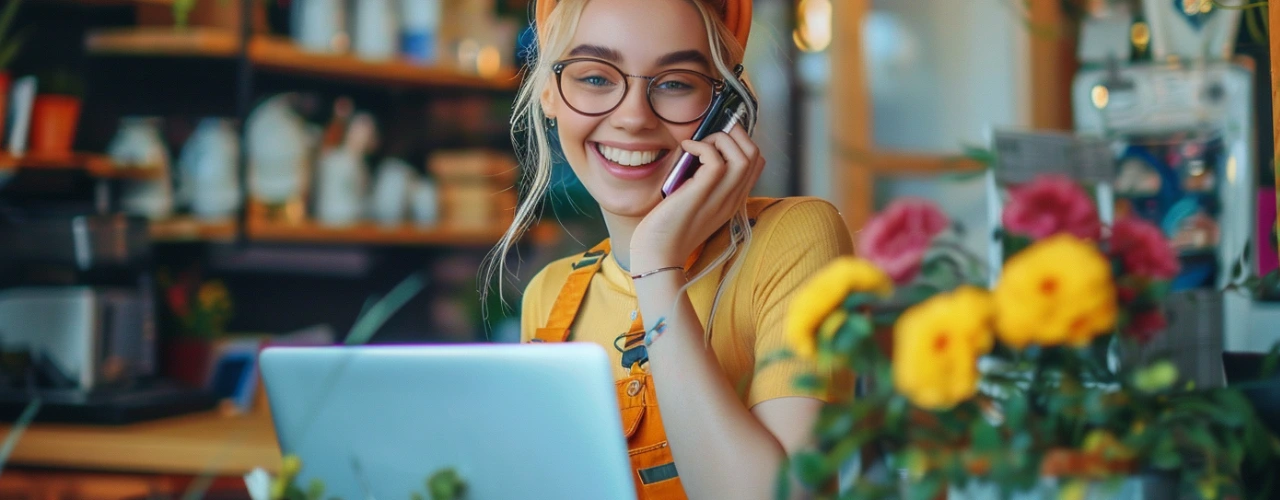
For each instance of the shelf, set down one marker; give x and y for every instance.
(370, 233)
(193, 444)
(283, 56)
(95, 165)
(279, 55)
(163, 41)
(190, 229)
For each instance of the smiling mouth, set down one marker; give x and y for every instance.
(629, 158)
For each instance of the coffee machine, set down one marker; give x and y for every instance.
(77, 319)
(1160, 84)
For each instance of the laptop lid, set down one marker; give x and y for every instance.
(534, 421)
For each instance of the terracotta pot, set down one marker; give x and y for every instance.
(5, 83)
(187, 360)
(53, 123)
(221, 14)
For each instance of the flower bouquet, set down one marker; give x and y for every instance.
(1018, 389)
(200, 309)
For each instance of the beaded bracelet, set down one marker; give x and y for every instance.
(658, 329)
(656, 271)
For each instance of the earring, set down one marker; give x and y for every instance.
(551, 122)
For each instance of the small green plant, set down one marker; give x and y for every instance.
(61, 81)
(10, 45)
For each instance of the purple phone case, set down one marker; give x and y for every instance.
(687, 162)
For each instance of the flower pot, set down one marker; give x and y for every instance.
(5, 82)
(187, 360)
(53, 123)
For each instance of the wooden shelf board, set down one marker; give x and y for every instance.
(280, 55)
(163, 41)
(192, 444)
(370, 233)
(190, 229)
(95, 165)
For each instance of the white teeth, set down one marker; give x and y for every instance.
(628, 158)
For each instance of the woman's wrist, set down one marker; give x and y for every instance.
(645, 261)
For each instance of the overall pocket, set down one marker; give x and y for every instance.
(652, 465)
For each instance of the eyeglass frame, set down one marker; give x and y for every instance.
(717, 86)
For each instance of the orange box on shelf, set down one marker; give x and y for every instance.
(477, 187)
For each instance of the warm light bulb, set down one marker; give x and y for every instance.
(1100, 96)
(813, 30)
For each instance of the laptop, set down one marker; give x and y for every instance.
(532, 421)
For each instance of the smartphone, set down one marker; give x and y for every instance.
(729, 108)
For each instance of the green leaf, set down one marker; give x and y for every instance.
(1015, 410)
(856, 328)
(315, 489)
(859, 299)
(807, 382)
(446, 484)
(782, 486)
(985, 437)
(810, 468)
(1166, 457)
(926, 489)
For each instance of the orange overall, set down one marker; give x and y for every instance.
(651, 461)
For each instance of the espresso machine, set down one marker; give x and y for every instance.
(1159, 82)
(77, 319)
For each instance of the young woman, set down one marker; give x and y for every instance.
(690, 292)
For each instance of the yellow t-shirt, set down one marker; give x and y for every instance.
(791, 240)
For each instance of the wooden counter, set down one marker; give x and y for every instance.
(188, 445)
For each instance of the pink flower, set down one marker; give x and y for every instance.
(897, 239)
(1145, 325)
(1049, 205)
(1143, 249)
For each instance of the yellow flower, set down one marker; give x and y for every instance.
(1058, 291)
(212, 293)
(1074, 490)
(824, 293)
(936, 346)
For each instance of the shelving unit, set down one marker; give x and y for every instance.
(95, 165)
(190, 230)
(279, 55)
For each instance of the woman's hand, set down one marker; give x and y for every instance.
(731, 164)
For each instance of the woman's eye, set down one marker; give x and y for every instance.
(673, 85)
(595, 81)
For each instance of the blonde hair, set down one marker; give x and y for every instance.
(535, 153)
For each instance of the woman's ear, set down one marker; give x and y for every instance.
(550, 105)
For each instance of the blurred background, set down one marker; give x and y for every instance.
(183, 182)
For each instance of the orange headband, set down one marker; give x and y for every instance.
(737, 16)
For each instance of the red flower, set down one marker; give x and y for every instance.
(179, 299)
(896, 240)
(1144, 326)
(1143, 249)
(1049, 205)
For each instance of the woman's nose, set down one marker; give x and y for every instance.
(634, 112)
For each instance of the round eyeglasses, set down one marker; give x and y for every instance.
(594, 87)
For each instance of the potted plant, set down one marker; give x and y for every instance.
(1013, 392)
(9, 47)
(55, 114)
(197, 315)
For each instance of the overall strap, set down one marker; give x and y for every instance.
(565, 308)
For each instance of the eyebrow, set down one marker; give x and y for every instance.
(683, 56)
(606, 53)
(597, 51)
